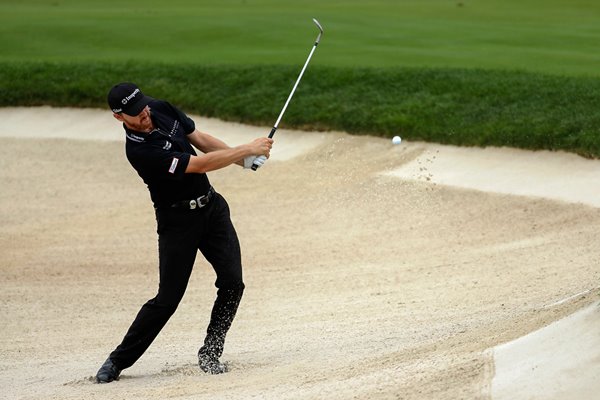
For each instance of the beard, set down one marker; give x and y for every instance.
(141, 124)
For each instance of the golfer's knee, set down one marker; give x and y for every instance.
(168, 302)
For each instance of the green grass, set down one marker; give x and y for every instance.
(521, 73)
(551, 36)
(454, 106)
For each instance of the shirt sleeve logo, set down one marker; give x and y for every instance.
(174, 128)
(173, 165)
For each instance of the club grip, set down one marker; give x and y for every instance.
(271, 134)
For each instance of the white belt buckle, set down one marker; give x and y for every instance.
(193, 204)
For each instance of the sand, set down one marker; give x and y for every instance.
(559, 361)
(361, 283)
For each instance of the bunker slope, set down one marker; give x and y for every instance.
(552, 175)
(560, 361)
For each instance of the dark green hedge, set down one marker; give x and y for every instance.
(452, 106)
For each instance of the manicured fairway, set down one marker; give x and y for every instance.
(553, 36)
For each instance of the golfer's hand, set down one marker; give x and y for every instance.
(258, 161)
(261, 146)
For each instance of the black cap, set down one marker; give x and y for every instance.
(128, 99)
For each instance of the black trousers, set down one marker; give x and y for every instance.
(181, 233)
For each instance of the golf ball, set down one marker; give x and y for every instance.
(396, 140)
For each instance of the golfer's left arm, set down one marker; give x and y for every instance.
(207, 143)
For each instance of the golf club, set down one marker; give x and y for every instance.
(255, 166)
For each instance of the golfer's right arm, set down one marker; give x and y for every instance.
(221, 158)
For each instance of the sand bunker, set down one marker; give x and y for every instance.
(551, 175)
(360, 283)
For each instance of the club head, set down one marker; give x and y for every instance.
(318, 24)
(320, 29)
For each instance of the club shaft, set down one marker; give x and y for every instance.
(255, 166)
(295, 86)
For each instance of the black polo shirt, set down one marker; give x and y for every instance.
(161, 156)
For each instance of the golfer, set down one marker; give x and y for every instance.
(190, 216)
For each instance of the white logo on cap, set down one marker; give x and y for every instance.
(131, 96)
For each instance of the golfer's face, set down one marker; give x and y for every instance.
(140, 122)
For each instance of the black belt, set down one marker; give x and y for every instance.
(195, 203)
